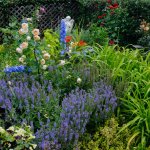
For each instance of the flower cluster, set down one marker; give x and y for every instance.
(25, 95)
(105, 100)
(30, 47)
(55, 126)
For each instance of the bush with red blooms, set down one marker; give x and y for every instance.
(113, 17)
(106, 19)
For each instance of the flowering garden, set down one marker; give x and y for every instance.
(84, 85)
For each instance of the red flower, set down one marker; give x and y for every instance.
(82, 43)
(68, 39)
(103, 15)
(111, 42)
(114, 6)
(111, 7)
(109, 1)
(100, 17)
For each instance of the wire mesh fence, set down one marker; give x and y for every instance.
(54, 12)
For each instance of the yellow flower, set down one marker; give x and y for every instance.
(36, 38)
(42, 61)
(36, 32)
(24, 45)
(46, 56)
(21, 32)
(146, 28)
(24, 26)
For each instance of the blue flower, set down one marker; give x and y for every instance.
(62, 31)
(16, 69)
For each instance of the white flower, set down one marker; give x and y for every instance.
(11, 128)
(46, 56)
(42, 61)
(29, 19)
(70, 49)
(28, 38)
(79, 80)
(21, 59)
(19, 50)
(23, 56)
(23, 31)
(62, 62)
(44, 67)
(2, 130)
(9, 82)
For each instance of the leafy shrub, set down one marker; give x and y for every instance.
(17, 138)
(106, 138)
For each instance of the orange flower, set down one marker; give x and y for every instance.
(82, 43)
(68, 39)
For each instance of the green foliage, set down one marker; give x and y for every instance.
(17, 138)
(105, 138)
(52, 40)
(98, 35)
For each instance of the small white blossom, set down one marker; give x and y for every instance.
(62, 62)
(28, 38)
(9, 82)
(79, 80)
(48, 45)
(19, 50)
(21, 59)
(44, 67)
(42, 61)
(29, 19)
